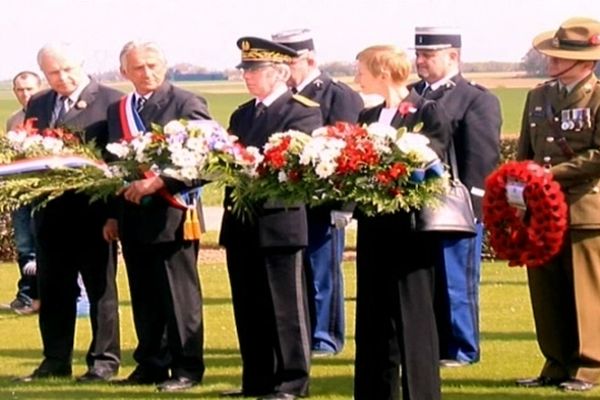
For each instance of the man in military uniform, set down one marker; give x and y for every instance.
(475, 118)
(338, 103)
(264, 257)
(561, 130)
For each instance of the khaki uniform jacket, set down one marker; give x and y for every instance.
(579, 175)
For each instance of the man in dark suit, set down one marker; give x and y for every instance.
(264, 257)
(69, 228)
(338, 103)
(476, 119)
(161, 266)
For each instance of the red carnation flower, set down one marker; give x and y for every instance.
(406, 107)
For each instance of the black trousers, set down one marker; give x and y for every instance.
(395, 323)
(271, 313)
(166, 300)
(59, 263)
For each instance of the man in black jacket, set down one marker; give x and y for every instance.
(338, 103)
(476, 119)
(161, 266)
(264, 257)
(69, 228)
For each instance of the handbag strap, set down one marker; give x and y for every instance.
(452, 157)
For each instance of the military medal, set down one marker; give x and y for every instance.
(566, 123)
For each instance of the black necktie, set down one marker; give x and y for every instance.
(426, 91)
(141, 101)
(60, 109)
(259, 109)
(563, 92)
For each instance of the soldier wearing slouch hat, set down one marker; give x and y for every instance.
(561, 130)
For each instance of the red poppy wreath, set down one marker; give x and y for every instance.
(529, 236)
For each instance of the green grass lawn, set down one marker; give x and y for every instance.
(509, 350)
(224, 97)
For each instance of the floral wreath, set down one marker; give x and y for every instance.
(532, 236)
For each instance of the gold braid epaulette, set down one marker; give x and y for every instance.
(305, 100)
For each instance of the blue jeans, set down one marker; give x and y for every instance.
(25, 245)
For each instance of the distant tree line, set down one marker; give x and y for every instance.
(534, 64)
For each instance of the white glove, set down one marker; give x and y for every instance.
(340, 219)
(30, 268)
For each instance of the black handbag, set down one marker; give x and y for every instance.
(453, 214)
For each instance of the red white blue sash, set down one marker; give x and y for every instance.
(131, 122)
(47, 163)
(132, 126)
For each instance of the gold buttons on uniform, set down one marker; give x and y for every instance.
(547, 159)
(549, 139)
(532, 124)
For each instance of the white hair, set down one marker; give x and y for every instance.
(62, 49)
(283, 72)
(134, 44)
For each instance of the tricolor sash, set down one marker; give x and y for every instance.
(46, 163)
(132, 126)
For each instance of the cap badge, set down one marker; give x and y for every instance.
(245, 45)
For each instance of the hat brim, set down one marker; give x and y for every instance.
(543, 44)
(253, 64)
(432, 47)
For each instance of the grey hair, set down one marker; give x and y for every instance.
(66, 50)
(283, 72)
(134, 44)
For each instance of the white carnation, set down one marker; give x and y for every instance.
(53, 145)
(282, 176)
(174, 127)
(120, 150)
(324, 169)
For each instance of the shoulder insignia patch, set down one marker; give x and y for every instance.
(305, 101)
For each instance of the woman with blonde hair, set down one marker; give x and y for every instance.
(395, 323)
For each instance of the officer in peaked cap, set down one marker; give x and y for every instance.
(560, 130)
(264, 256)
(258, 52)
(475, 122)
(338, 103)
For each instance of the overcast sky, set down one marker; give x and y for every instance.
(204, 32)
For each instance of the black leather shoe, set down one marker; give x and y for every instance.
(45, 373)
(96, 375)
(278, 396)
(176, 384)
(140, 377)
(539, 381)
(576, 385)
